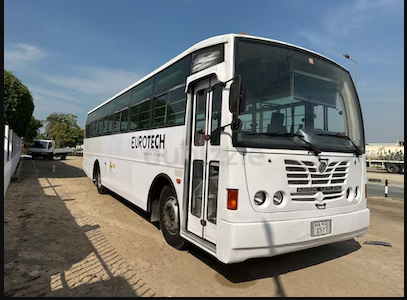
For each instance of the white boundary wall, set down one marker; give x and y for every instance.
(12, 154)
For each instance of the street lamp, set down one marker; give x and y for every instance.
(348, 57)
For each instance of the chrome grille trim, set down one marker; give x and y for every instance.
(305, 174)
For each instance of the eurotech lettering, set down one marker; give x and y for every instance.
(148, 141)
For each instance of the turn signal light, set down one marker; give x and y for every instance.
(232, 199)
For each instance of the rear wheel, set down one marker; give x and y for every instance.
(169, 218)
(99, 186)
(392, 168)
(401, 169)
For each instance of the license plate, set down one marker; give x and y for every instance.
(321, 227)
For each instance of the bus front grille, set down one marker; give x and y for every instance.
(307, 181)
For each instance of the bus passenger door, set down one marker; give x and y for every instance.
(204, 163)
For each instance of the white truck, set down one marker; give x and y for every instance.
(389, 157)
(47, 150)
(78, 150)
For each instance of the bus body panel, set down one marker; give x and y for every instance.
(123, 159)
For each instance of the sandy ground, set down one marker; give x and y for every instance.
(61, 238)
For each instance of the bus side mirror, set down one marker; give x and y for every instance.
(237, 96)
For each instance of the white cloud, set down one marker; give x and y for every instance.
(347, 21)
(100, 82)
(42, 93)
(18, 55)
(360, 15)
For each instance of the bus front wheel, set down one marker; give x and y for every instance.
(169, 218)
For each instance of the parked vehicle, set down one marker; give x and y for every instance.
(78, 150)
(389, 157)
(243, 146)
(47, 150)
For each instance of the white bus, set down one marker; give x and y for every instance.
(243, 146)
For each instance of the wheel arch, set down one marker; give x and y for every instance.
(159, 182)
(96, 167)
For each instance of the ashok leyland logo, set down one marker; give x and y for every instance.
(322, 167)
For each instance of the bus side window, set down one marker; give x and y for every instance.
(110, 124)
(116, 122)
(160, 107)
(176, 107)
(124, 121)
(134, 116)
(100, 127)
(145, 109)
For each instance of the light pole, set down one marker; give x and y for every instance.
(348, 57)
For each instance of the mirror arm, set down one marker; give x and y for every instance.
(224, 83)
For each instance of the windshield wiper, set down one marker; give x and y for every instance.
(288, 135)
(343, 136)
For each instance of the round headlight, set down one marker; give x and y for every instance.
(259, 198)
(278, 198)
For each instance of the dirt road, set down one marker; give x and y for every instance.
(61, 238)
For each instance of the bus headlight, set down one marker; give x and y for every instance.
(278, 198)
(260, 198)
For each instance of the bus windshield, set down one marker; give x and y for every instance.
(291, 92)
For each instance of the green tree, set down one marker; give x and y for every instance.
(63, 128)
(18, 104)
(33, 130)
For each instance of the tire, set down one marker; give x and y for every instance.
(169, 219)
(392, 168)
(101, 189)
(401, 170)
(63, 157)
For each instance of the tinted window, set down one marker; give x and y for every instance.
(176, 102)
(124, 120)
(122, 101)
(116, 122)
(173, 75)
(110, 124)
(142, 92)
(134, 117)
(145, 109)
(160, 105)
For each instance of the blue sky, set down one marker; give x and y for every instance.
(74, 55)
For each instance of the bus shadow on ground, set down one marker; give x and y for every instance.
(259, 268)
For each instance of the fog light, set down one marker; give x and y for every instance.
(356, 191)
(259, 198)
(278, 198)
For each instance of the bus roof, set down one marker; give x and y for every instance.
(206, 43)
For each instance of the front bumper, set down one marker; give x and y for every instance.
(240, 241)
